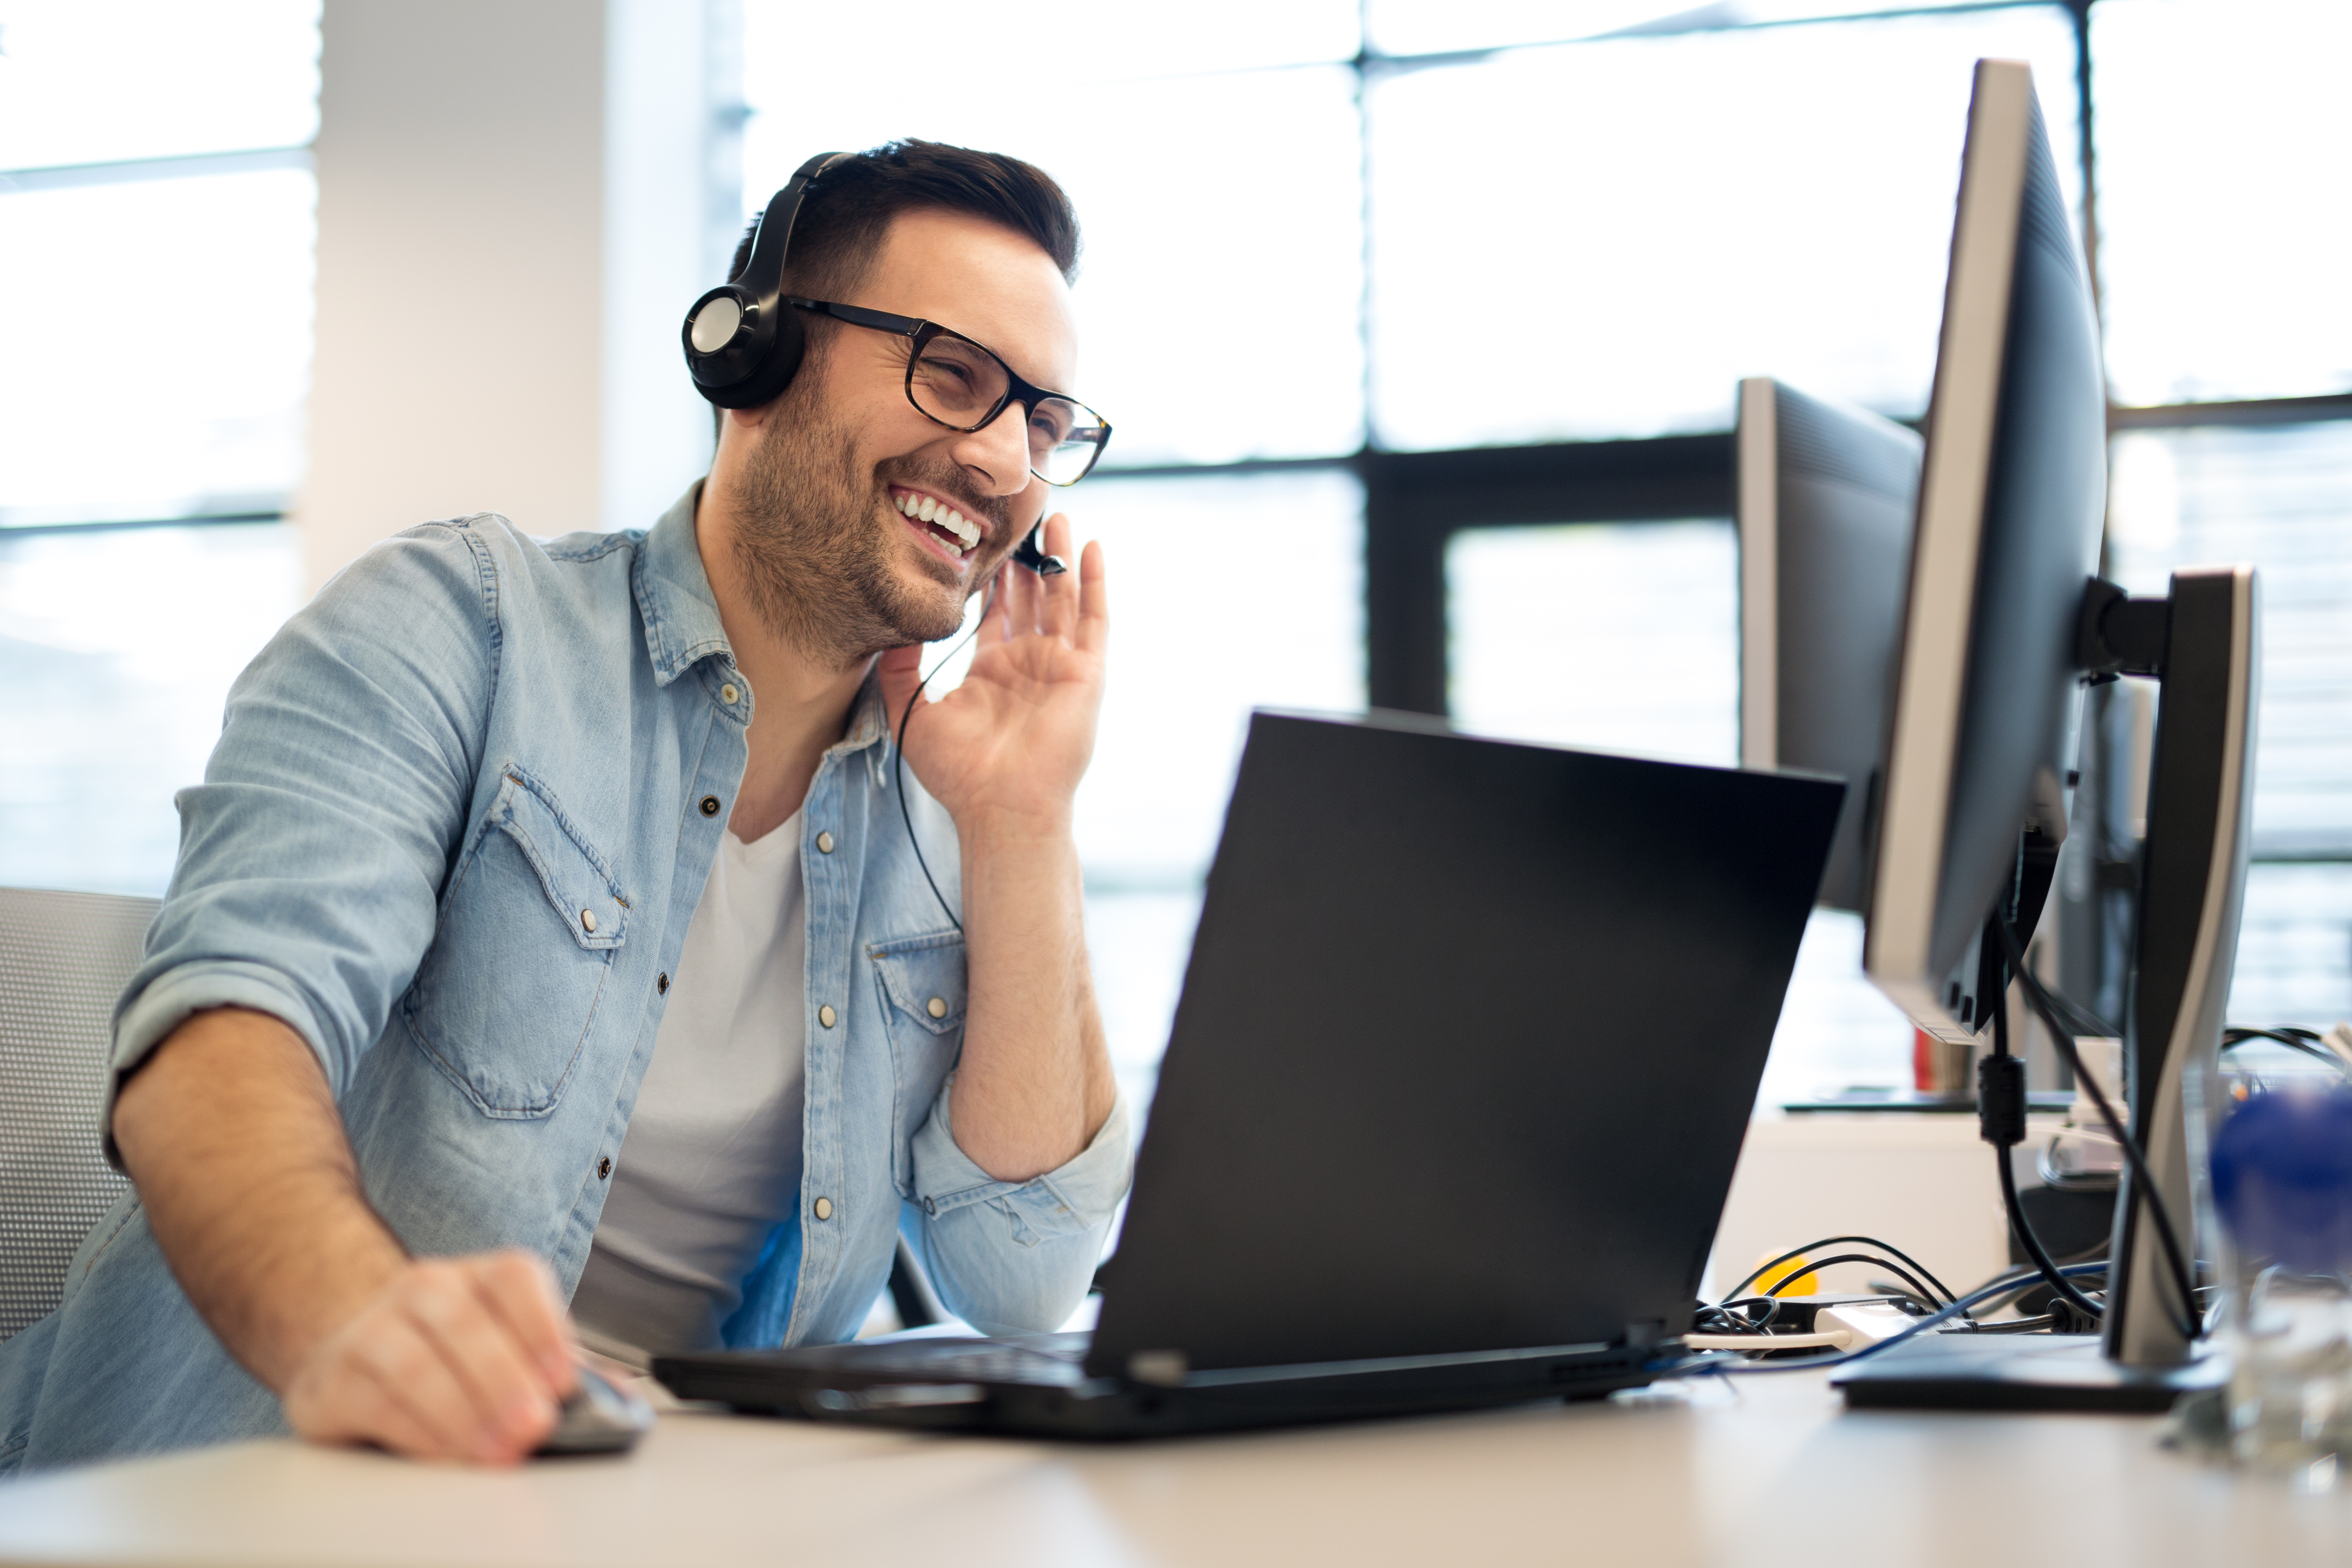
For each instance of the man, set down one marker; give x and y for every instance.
(550, 919)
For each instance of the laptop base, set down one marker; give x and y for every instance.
(869, 1386)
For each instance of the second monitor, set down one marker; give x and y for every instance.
(1825, 499)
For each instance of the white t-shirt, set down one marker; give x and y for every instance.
(712, 1159)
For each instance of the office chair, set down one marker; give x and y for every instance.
(64, 959)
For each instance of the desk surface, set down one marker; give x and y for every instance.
(1775, 1472)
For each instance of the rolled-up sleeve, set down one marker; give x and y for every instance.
(312, 856)
(1014, 1256)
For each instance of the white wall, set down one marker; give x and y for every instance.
(515, 200)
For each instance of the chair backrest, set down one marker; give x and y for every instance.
(64, 959)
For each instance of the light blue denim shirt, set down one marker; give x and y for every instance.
(458, 820)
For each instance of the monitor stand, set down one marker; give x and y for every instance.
(2200, 641)
(2019, 1372)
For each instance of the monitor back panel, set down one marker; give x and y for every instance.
(1466, 1048)
(1843, 490)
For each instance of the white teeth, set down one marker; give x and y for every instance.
(927, 509)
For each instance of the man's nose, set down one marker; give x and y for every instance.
(999, 451)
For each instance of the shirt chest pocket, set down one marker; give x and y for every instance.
(508, 993)
(922, 983)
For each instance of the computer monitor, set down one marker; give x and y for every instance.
(2004, 621)
(1825, 499)
(2011, 500)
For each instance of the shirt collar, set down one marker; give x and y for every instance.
(673, 597)
(682, 624)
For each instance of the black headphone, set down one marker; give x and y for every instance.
(743, 343)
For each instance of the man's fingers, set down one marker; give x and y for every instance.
(395, 1354)
(457, 1309)
(1094, 599)
(359, 1410)
(901, 669)
(1058, 596)
(519, 1291)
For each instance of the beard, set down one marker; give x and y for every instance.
(813, 547)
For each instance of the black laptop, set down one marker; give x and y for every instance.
(1469, 1039)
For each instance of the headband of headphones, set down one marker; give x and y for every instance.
(742, 341)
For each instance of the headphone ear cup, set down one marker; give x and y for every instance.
(775, 373)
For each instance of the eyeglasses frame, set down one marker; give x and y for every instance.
(919, 334)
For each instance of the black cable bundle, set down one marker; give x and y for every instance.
(2001, 1119)
(1926, 1288)
(2182, 1309)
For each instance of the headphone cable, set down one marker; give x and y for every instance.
(898, 751)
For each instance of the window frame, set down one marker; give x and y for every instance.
(1415, 502)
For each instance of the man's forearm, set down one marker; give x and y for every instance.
(1035, 1084)
(240, 1159)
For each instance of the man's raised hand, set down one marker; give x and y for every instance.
(1008, 747)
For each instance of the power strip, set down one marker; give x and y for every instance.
(1847, 1326)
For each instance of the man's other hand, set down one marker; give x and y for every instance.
(456, 1358)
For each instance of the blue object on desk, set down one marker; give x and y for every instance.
(2282, 1177)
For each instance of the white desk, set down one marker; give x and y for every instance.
(1777, 1474)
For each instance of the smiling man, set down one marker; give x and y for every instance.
(550, 927)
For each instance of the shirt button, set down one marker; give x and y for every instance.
(730, 693)
(661, 983)
(825, 1209)
(824, 1016)
(937, 1007)
(710, 805)
(825, 843)
(603, 1167)
(588, 920)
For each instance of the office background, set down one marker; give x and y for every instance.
(1420, 321)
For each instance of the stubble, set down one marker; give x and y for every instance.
(812, 548)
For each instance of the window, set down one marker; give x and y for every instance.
(1617, 636)
(2281, 497)
(1418, 320)
(119, 649)
(156, 196)
(1598, 240)
(1215, 169)
(156, 234)
(1494, 267)
(2224, 141)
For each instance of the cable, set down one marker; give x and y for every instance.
(1716, 1365)
(1920, 1292)
(1769, 1265)
(2032, 1243)
(898, 752)
(2005, 1137)
(1925, 1295)
(2287, 1035)
(2144, 1188)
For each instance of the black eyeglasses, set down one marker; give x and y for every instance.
(955, 382)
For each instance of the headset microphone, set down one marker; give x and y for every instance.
(1030, 552)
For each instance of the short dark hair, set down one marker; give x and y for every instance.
(844, 214)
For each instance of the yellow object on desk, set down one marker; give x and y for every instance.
(1796, 1271)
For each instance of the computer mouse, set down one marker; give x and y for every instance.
(597, 1419)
